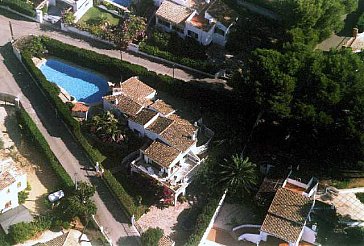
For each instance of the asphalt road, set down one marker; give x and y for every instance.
(16, 81)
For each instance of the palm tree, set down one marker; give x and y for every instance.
(238, 174)
(107, 127)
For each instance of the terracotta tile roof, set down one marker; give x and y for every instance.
(161, 153)
(80, 107)
(162, 107)
(281, 228)
(136, 90)
(166, 241)
(173, 12)
(183, 123)
(178, 137)
(124, 104)
(6, 179)
(160, 124)
(144, 116)
(287, 215)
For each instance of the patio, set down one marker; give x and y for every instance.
(346, 204)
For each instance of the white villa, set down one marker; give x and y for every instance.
(207, 21)
(174, 151)
(12, 181)
(288, 217)
(78, 7)
(287, 222)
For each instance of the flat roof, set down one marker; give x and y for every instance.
(14, 216)
(222, 12)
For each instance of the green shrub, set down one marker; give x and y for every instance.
(152, 236)
(203, 221)
(360, 196)
(22, 231)
(360, 22)
(23, 7)
(124, 198)
(30, 128)
(22, 196)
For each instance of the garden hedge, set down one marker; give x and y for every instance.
(205, 66)
(20, 6)
(212, 96)
(203, 221)
(52, 92)
(31, 129)
(124, 198)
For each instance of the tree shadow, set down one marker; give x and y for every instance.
(128, 241)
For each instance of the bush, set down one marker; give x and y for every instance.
(30, 128)
(152, 236)
(360, 22)
(203, 221)
(124, 198)
(22, 231)
(360, 196)
(52, 92)
(23, 7)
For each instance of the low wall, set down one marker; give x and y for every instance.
(211, 224)
(353, 190)
(67, 28)
(17, 13)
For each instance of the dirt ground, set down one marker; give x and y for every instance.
(40, 177)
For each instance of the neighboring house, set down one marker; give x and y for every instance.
(79, 7)
(12, 181)
(288, 215)
(204, 20)
(173, 152)
(287, 222)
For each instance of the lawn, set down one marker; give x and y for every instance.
(95, 16)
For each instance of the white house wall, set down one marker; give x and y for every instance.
(12, 195)
(204, 38)
(81, 8)
(136, 127)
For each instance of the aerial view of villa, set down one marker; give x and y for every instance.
(181, 122)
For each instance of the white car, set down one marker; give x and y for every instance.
(55, 196)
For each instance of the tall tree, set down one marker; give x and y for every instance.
(131, 28)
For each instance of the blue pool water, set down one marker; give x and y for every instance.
(125, 3)
(79, 83)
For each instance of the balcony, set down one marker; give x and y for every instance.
(179, 178)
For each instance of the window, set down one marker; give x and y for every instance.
(178, 29)
(219, 31)
(192, 34)
(8, 204)
(18, 184)
(164, 23)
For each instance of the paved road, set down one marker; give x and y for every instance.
(23, 27)
(14, 80)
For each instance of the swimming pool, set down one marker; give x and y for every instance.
(85, 86)
(125, 3)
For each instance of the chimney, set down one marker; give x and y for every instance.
(355, 32)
